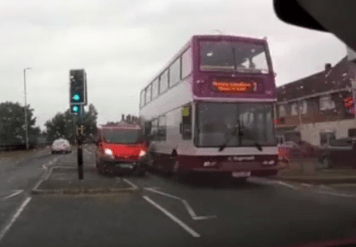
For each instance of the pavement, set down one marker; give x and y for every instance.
(163, 211)
(295, 172)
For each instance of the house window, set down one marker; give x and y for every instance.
(326, 103)
(294, 109)
(303, 107)
(352, 132)
(282, 111)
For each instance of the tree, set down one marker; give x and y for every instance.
(12, 125)
(62, 125)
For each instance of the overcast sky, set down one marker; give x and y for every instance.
(123, 44)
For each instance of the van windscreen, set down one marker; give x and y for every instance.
(121, 136)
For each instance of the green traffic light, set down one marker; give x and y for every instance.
(76, 97)
(75, 108)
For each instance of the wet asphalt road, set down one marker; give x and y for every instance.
(165, 211)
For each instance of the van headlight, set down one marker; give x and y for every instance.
(142, 153)
(108, 152)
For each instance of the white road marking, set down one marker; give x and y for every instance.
(130, 183)
(172, 217)
(38, 184)
(185, 203)
(335, 194)
(13, 194)
(48, 174)
(162, 193)
(287, 185)
(44, 167)
(192, 213)
(307, 185)
(322, 186)
(155, 188)
(14, 217)
(261, 180)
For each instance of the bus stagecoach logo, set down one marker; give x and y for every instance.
(234, 86)
(241, 158)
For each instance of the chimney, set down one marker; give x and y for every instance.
(327, 67)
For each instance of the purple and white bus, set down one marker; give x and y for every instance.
(211, 108)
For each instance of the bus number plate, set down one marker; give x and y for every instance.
(241, 174)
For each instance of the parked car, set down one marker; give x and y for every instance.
(121, 148)
(61, 146)
(339, 152)
(290, 150)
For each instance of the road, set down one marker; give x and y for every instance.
(162, 211)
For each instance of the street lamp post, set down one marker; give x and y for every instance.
(26, 123)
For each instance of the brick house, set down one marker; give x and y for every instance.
(319, 107)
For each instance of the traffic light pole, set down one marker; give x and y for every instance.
(80, 161)
(77, 100)
(80, 137)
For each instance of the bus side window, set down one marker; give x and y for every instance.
(154, 129)
(186, 125)
(147, 131)
(161, 131)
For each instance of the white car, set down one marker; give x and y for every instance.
(61, 146)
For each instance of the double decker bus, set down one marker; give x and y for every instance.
(211, 109)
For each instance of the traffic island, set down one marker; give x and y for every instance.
(64, 180)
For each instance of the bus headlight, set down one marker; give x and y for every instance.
(142, 153)
(266, 162)
(209, 163)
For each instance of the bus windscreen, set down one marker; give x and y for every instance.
(233, 56)
(234, 124)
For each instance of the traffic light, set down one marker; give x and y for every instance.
(76, 109)
(78, 87)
